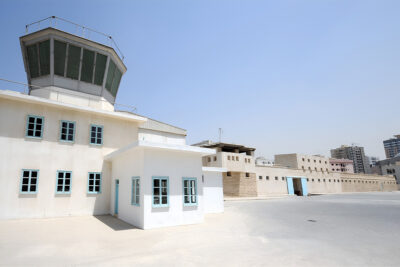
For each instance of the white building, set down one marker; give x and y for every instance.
(67, 151)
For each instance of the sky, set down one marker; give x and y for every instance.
(281, 76)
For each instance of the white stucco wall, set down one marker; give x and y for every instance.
(161, 137)
(49, 155)
(213, 192)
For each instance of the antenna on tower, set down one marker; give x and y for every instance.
(220, 134)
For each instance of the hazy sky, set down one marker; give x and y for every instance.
(280, 76)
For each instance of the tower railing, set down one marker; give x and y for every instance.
(76, 29)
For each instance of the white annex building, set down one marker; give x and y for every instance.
(66, 151)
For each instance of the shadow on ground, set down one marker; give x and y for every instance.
(114, 223)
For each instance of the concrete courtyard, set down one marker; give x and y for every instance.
(328, 230)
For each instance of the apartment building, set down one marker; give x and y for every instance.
(392, 146)
(390, 167)
(67, 151)
(354, 153)
(341, 165)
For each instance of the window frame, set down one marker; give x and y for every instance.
(73, 134)
(160, 194)
(101, 178)
(29, 184)
(134, 191)
(34, 129)
(195, 190)
(63, 192)
(90, 134)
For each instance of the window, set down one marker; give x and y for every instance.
(229, 157)
(308, 160)
(29, 181)
(228, 174)
(320, 161)
(237, 158)
(101, 61)
(73, 62)
(323, 180)
(94, 182)
(308, 180)
(113, 78)
(38, 56)
(276, 178)
(303, 159)
(283, 178)
(247, 174)
(87, 66)
(60, 51)
(34, 126)
(267, 177)
(189, 191)
(215, 158)
(135, 191)
(260, 177)
(208, 159)
(319, 180)
(160, 191)
(67, 131)
(63, 182)
(312, 180)
(96, 135)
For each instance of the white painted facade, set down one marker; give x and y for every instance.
(213, 189)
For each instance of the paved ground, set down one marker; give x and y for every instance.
(332, 230)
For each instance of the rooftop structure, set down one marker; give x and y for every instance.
(341, 165)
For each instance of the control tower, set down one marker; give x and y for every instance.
(72, 69)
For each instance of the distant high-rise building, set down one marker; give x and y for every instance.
(354, 153)
(392, 146)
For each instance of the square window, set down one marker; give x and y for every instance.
(247, 174)
(228, 174)
(267, 177)
(34, 126)
(67, 131)
(260, 177)
(63, 182)
(29, 181)
(94, 183)
(96, 135)
(276, 178)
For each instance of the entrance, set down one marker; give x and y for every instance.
(297, 186)
(116, 196)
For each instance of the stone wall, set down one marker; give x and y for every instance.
(238, 185)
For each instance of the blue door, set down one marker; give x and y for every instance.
(304, 186)
(290, 188)
(116, 196)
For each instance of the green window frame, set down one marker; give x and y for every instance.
(96, 135)
(29, 181)
(67, 131)
(135, 191)
(160, 191)
(63, 184)
(94, 183)
(34, 126)
(189, 191)
(73, 61)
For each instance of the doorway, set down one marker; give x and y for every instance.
(116, 196)
(297, 186)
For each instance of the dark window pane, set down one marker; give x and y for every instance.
(25, 181)
(37, 134)
(156, 182)
(110, 75)
(187, 199)
(30, 133)
(67, 175)
(31, 120)
(60, 182)
(156, 200)
(33, 181)
(33, 188)
(99, 129)
(26, 174)
(156, 191)
(24, 188)
(33, 62)
(97, 182)
(66, 189)
(38, 127)
(60, 50)
(39, 120)
(64, 124)
(92, 140)
(97, 188)
(164, 200)
(59, 188)
(87, 66)
(74, 54)
(34, 174)
(44, 54)
(67, 181)
(116, 81)
(100, 69)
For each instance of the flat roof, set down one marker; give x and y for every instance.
(227, 146)
(17, 96)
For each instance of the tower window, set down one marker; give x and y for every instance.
(100, 69)
(39, 59)
(87, 66)
(74, 55)
(60, 51)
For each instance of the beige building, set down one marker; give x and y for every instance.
(292, 174)
(341, 165)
